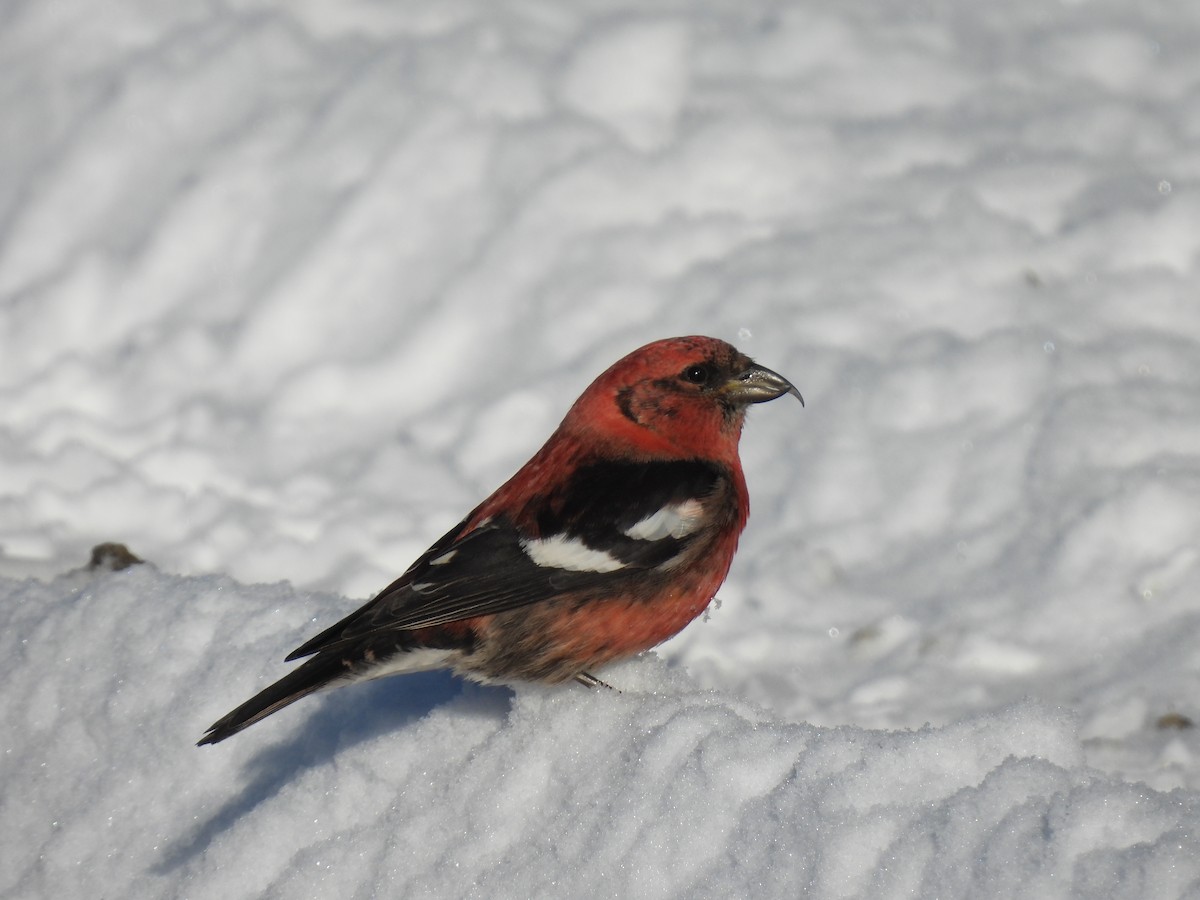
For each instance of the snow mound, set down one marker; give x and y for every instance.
(422, 786)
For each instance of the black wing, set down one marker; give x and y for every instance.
(499, 566)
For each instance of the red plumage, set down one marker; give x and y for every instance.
(614, 536)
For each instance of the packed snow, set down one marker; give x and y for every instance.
(288, 287)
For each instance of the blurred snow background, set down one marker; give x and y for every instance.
(287, 288)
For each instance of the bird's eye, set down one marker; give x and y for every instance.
(696, 374)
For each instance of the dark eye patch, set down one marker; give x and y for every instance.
(697, 374)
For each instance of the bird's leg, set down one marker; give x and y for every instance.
(589, 680)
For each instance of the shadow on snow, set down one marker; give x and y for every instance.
(379, 707)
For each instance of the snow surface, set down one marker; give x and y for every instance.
(287, 288)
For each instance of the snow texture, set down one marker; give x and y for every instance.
(286, 288)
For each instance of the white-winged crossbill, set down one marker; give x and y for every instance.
(613, 537)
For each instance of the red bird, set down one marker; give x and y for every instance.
(613, 537)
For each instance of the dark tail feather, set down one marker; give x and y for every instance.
(318, 672)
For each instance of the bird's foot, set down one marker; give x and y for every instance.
(589, 680)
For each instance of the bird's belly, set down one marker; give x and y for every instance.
(557, 640)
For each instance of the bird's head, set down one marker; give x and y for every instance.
(683, 396)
